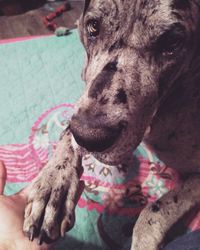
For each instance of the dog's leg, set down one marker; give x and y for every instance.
(53, 195)
(157, 218)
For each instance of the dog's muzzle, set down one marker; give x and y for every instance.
(93, 132)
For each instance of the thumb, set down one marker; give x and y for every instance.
(25, 191)
(3, 175)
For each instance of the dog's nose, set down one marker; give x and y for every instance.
(93, 132)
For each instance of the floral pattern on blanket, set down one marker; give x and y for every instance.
(109, 190)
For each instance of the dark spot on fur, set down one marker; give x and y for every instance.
(66, 160)
(142, 18)
(175, 198)
(155, 207)
(111, 24)
(103, 80)
(55, 205)
(177, 15)
(104, 100)
(56, 190)
(116, 45)
(112, 66)
(181, 4)
(120, 97)
(151, 222)
(60, 167)
(154, 11)
(143, 4)
(71, 148)
(117, 28)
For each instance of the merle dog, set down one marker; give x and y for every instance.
(142, 77)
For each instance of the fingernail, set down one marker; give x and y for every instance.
(64, 226)
(2, 170)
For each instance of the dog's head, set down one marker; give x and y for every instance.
(136, 50)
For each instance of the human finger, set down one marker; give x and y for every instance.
(3, 175)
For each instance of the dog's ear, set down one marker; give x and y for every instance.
(87, 3)
(80, 22)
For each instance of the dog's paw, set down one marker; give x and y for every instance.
(147, 232)
(51, 202)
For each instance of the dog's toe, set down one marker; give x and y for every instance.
(34, 213)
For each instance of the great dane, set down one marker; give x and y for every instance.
(142, 75)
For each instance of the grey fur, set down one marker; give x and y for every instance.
(142, 73)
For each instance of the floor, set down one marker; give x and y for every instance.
(17, 20)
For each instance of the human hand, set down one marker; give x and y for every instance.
(11, 220)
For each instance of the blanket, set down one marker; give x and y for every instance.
(40, 82)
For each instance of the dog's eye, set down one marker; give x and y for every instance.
(171, 46)
(170, 43)
(93, 28)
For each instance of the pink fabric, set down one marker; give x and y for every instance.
(19, 39)
(20, 162)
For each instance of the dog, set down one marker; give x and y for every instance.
(142, 75)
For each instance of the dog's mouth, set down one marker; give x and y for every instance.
(95, 138)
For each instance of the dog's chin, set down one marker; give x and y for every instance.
(117, 153)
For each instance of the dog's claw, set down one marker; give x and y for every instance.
(65, 226)
(32, 233)
(41, 238)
